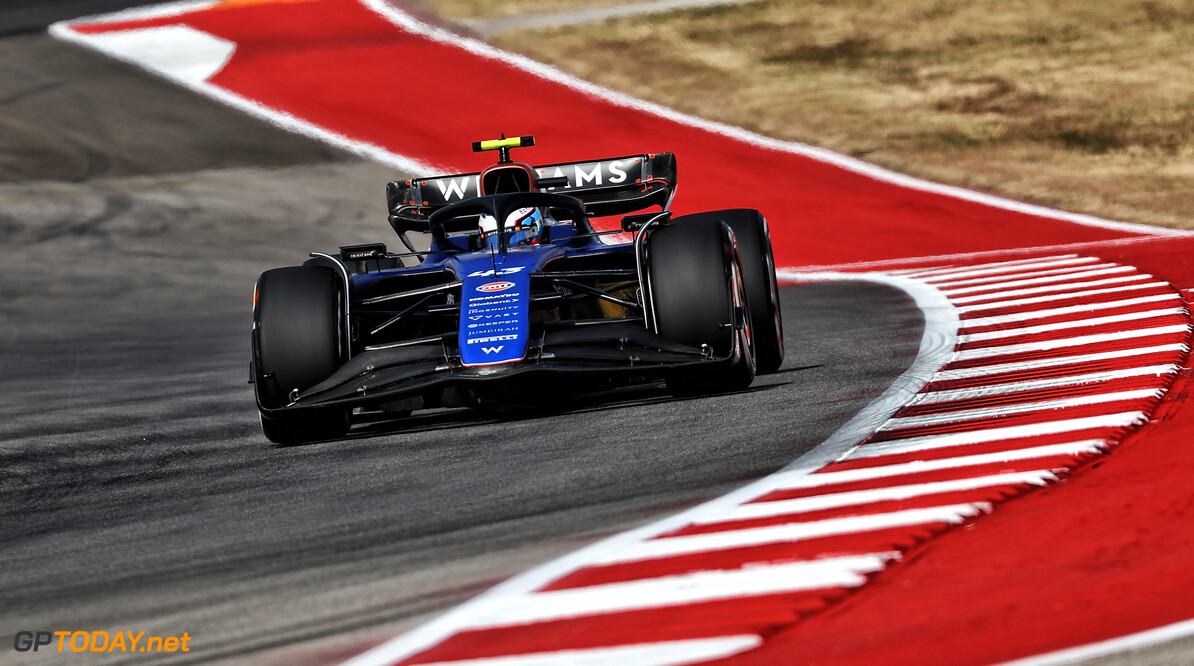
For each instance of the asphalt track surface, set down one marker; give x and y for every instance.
(31, 16)
(1098, 606)
(136, 491)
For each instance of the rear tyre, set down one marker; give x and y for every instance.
(758, 274)
(297, 329)
(699, 300)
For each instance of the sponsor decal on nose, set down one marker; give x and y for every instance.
(495, 286)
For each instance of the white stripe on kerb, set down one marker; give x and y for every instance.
(547, 72)
(758, 536)
(1061, 326)
(953, 395)
(1069, 310)
(951, 281)
(1060, 297)
(953, 272)
(823, 479)
(66, 32)
(684, 589)
(1042, 363)
(931, 442)
(1021, 408)
(1019, 281)
(176, 52)
(1049, 289)
(863, 497)
(1046, 345)
(663, 653)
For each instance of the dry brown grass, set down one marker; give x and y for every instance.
(1087, 106)
(469, 9)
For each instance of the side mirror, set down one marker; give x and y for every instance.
(563, 215)
(637, 221)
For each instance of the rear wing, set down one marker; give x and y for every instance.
(615, 186)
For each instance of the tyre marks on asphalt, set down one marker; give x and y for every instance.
(1063, 400)
(1057, 359)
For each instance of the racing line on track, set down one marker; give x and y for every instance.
(1056, 360)
(1052, 362)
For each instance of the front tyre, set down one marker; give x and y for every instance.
(698, 298)
(758, 274)
(297, 333)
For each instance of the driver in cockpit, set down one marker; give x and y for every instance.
(524, 226)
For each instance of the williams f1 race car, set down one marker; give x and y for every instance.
(517, 298)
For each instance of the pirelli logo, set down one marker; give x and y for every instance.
(492, 338)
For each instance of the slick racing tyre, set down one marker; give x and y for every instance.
(297, 338)
(699, 299)
(758, 274)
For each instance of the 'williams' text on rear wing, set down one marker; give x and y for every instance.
(614, 186)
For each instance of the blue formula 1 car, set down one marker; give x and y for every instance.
(517, 295)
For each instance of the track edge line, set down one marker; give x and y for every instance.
(937, 343)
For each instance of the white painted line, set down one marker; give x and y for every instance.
(660, 547)
(964, 300)
(1020, 281)
(937, 344)
(1081, 653)
(995, 268)
(1026, 432)
(1047, 345)
(1042, 363)
(1069, 310)
(954, 395)
(1075, 323)
(685, 589)
(900, 423)
(151, 62)
(479, 48)
(863, 497)
(530, 21)
(165, 10)
(965, 309)
(1083, 447)
(663, 653)
(947, 282)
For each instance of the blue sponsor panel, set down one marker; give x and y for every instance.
(494, 318)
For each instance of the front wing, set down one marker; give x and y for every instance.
(573, 358)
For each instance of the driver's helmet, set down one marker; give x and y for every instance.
(524, 226)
